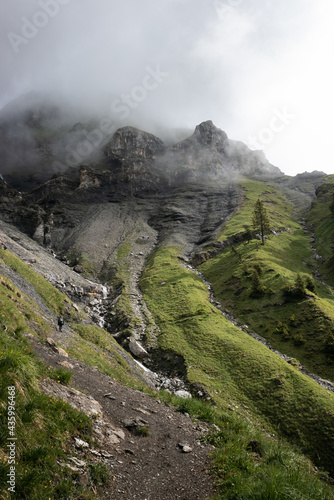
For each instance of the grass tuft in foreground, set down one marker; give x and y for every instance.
(249, 464)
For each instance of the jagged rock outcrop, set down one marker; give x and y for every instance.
(131, 143)
(208, 155)
(185, 192)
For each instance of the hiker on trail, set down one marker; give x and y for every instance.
(60, 322)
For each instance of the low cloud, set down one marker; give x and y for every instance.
(234, 62)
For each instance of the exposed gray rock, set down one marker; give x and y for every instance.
(185, 447)
(105, 431)
(77, 462)
(79, 443)
(137, 426)
(79, 269)
(66, 364)
(183, 394)
(131, 142)
(51, 343)
(137, 350)
(77, 399)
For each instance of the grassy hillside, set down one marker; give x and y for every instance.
(236, 370)
(298, 326)
(268, 414)
(321, 221)
(45, 426)
(232, 366)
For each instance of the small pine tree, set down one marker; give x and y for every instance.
(295, 291)
(328, 342)
(257, 288)
(282, 329)
(331, 207)
(310, 284)
(261, 221)
(258, 268)
(299, 289)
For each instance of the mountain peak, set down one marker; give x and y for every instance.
(207, 133)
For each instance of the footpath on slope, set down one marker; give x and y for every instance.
(154, 467)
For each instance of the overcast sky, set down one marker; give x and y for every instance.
(259, 69)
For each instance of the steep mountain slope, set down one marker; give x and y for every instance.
(137, 218)
(297, 326)
(40, 428)
(320, 225)
(29, 304)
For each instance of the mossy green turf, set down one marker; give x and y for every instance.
(44, 427)
(53, 299)
(247, 463)
(275, 205)
(230, 364)
(321, 221)
(285, 254)
(95, 347)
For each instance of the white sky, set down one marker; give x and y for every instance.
(241, 63)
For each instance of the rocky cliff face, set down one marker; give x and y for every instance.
(38, 140)
(208, 155)
(184, 192)
(130, 143)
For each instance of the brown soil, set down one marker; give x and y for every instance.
(150, 467)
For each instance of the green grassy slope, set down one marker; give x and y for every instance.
(232, 366)
(45, 426)
(321, 221)
(300, 327)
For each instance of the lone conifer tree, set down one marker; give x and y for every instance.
(261, 220)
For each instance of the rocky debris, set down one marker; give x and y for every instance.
(88, 178)
(51, 343)
(66, 364)
(185, 447)
(327, 384)
(145, 465)
(106, 432)
(143, 411)
(198, 391)
(110, 396)
(137, 426)
(97, 299)
(77, 462)
(79, 269)
(77, 399)
(79, 443)
(170, 384)
(3, 245)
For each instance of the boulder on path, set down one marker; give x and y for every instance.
(51, 343)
